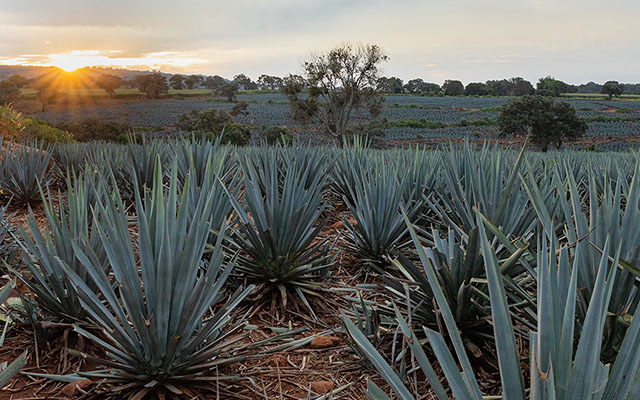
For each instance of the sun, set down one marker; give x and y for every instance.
(69, 62)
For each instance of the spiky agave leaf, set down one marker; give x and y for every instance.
(8, 371)
(153, 318)
(8, 246)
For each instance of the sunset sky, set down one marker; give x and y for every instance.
(573, 40)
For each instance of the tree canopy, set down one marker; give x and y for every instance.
(612, 88)
(343, 81)
(549, 86)
(109, 83)
(153, 85)
(548, 121)
(453, 88)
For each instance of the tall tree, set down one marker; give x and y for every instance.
(549, 86)
(612, 88)
(548, 121)
(153, 85)
(521, 86)
(499, 87)
(192, 81)
(269, 81)
(390, 85)
(177, 82)
(344, 81)
(9, 92)
(227, 90)
(476, 89)
(418, 86)
(244, 82)
(109, 83)
(453, 88)
(18, 81)
(214, 82)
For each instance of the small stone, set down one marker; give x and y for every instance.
(72, 389)
(278, 361)
(321, 387)
(322, 342)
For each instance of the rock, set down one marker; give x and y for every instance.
(321, 387)
(73, 389)
(324, 342)
(278, 361)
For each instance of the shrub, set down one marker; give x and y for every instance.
(236, 134)
(272, 135)
(17, 127)
(214, 123)
(97, 129)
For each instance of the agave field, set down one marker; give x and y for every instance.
(188, 269)
(612, 124)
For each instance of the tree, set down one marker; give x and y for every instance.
(418, 86)
(228, 90)
(244, 82)
(476, 89)
(214, 82)
(344, 81)
(214, 123)
(109, 83)
(18, 81)
(240, 109)
(499, 88)
(270, 82)
(9, 92)
(612, 88)
(453, 88)
(549, 86)
(390, 85)
(192, 81)
(521, 86)
(177, 82)
(153, 85)
(548, 121)
(47, 95)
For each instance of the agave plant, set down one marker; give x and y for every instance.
(166, 320)
(8, 371)
(194, 157)
(279, 223)
(376, 202)
(486, 180)
(457, 266)
(609, 221)
(556, 372)
(207, 179)
(45, 247)
(23, 170)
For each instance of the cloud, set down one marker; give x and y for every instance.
(531, 38)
